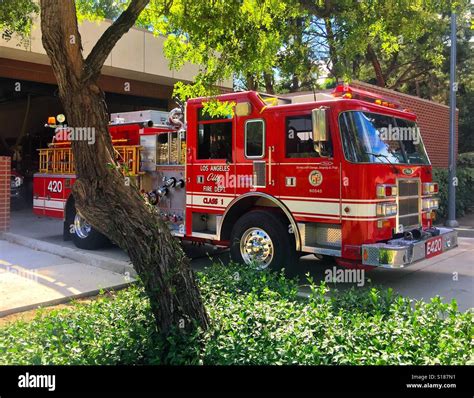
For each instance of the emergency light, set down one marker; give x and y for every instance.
(345, 91)
(386, 191)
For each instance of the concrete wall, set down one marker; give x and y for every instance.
(138, 55)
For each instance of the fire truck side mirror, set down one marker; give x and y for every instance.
(318, 117)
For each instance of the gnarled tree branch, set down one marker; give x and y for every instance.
(110, 37)
(376, 65)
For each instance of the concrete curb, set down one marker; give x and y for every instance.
(62, 300)
(80, 256)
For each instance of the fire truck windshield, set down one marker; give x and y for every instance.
(375, 138)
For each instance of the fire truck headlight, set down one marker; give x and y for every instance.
(430, 188)
(386, 209)
(426, 204)
(430, 204)
(386, 191)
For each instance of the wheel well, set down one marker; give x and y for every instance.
(247, 203)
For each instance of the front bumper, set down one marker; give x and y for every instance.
(399, 253)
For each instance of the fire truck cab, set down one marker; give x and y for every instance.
(343, 174)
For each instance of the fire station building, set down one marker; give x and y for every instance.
(135, 76)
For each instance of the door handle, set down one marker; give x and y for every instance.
(271, 182)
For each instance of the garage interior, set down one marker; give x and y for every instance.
(24, 110)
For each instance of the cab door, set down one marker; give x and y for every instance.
(308, 175)
(210, 171)
(255, 154)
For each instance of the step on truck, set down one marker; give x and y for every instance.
(342, 174)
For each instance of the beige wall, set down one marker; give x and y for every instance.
(138, 55)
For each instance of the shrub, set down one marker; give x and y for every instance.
(256, 318)
(109, 330)
(466, 159)
(464, 190)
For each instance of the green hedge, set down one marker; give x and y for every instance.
(256, 318)
(466, 159)
(464, 190)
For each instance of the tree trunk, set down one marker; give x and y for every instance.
(252, 82)
(295, 83)
(101, 193)
(376, 65)
(417, 88)
(334, 69)
(268, 78)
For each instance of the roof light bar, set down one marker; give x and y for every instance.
(348, 92)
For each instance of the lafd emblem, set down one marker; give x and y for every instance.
(315, 178)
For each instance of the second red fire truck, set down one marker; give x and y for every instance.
(342, 174)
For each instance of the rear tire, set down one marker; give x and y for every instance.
(262, 238)
(81, 233)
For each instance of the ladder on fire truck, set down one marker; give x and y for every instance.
(59, 158)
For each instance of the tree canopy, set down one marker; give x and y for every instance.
(278, 46)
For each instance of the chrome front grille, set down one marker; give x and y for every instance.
(409, 212)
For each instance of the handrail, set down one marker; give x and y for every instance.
(61, 160)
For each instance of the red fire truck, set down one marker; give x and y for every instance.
(322, 173)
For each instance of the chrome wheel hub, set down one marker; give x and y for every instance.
(81, 227)
(256, 247)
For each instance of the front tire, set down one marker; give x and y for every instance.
(82, 233)
(262, 238)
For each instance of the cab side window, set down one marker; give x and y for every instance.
(215, 141)
(300, 139)
(254, 139)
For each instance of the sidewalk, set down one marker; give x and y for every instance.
(466, 226)
(31, 278)
(38, 268)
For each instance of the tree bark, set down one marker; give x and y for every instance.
(376, 65)
(268, 79)
(334, 69)
(101, 193)
(251, 82)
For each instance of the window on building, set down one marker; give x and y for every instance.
(215, 141)
(254, 138)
